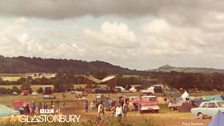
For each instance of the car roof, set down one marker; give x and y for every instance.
(148, 96)
(211, 101)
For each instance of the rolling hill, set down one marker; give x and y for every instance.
(27, 65)
(168, 68)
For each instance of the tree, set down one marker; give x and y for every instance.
(62, 84)
(26, 85)
(16, 89)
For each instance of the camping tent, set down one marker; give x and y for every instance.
(6, 111)
(185, 95)
(14, 93)
(218, 120)
(186, 107)
(34, 93)
(132, 89)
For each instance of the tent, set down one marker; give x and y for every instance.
(34, 93)
(186, 107)
(133, 89)
(14, 93)
(218, 120)
(6, 111)
(214, 97)
(185, 95)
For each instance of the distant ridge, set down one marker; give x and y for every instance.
(50, 65)
(23, 64)
(169, 68)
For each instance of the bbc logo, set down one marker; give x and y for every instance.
(46, 111)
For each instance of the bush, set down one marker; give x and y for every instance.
(15, 89)
(40, 90)
(5, 91)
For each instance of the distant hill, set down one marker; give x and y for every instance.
(168, 68)
(28, 65)
(50, 65)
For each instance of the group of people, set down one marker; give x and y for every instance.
(33, 108)
(118, 108)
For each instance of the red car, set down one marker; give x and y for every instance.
(147, 104)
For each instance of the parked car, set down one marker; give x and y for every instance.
(147, 104)
(103, 90)
(175, 104)
(208, 109)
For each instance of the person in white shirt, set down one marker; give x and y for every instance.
(100, 111)
(119, 112)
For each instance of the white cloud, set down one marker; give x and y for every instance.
(18, 38)
(112, 34)
(164, 39)
(142, 45)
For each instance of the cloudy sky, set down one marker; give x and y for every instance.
(138, 34)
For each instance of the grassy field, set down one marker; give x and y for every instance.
(166, 117)
(15, 77)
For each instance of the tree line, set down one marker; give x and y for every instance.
(64, 82)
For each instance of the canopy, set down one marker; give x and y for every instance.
(185, 95)
(218, 120)
(96, 80)
(6, 111)
(132, 89)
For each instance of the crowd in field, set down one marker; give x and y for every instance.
(35, 108)
(118, 108)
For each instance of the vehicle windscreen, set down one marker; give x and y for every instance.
(220, 104)
(150, 99)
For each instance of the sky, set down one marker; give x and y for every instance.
(137, 34)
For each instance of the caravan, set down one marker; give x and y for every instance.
(47, 89)
(153, 89)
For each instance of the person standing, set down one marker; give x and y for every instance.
(100, 111)
(92, 105)
(39, 107)
(119, 112)
(45, 106)
(125, 108)
(33, 108)
(86, 105)
(27, 109)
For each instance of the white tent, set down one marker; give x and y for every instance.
(34, 93)
(133, 89)
(14, 93)
(120, 88)
(185, 95)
